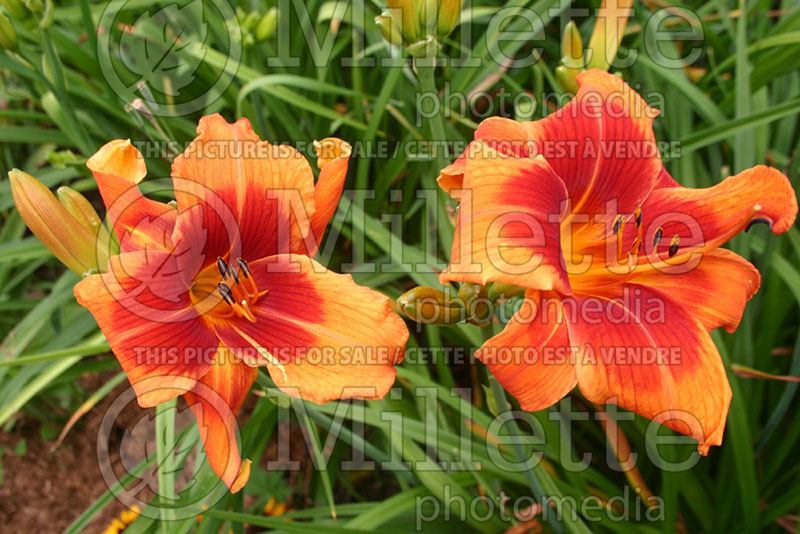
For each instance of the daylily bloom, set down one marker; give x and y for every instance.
(622, 267)
(205, 291)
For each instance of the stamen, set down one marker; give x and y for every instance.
(638, 216)
(222, 266)
(619, 226)
(243, 267)
(657, 236)
(246, 312)
(618, 223)
(673, 246)
(225, 291)
(234, 276)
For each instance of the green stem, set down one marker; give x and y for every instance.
(165, 445)
(425, 70)
(539, 481)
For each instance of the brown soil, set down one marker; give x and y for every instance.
(43, 491)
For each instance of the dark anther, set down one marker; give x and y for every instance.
(617, 224)
(638, 217)
(235, 276)
(225, 291)
(673, 249)
(757, 220)
(657, 236)
(243, 267)
(222, 266)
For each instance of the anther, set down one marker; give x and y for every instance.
(638, 216)
(673, 246)
(225, 291)
(222, 266)
(234, 275)
(657, 236)
(243, 267)
(617, 224)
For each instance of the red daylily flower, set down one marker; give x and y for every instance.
(617, 259)
(204, 292)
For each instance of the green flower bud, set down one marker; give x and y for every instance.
(8, 37)
(267, 25)
(429, 305)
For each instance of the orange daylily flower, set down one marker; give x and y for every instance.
(204, 292)
(622, 268)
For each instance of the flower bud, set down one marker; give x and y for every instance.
(389, 29)
(572, 47)
(406, 15)
(449, 15)
(429, 305)
(267, 25)
(69, 240)
(84, 213)
(419, 24)
(566, 77)
(499, 290)
(612, 17)
(8, 37)
(476, 303)
(16, 9)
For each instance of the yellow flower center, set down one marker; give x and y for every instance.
(226, 291)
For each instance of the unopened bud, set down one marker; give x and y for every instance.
(16, 9)
(85, 214)
(406, 15)
(267, 25)
(389, 29)
(429, 305)
(612, 17)
(8, 37)
(499, 290)
(449, 15)
(567, 78)
(476, 303)
(69, 240)
(572, 47)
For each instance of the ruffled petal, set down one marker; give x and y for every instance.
(704, 219)
(645, 352)
(507, 228)
(601, 144)
(322, 336)
(715, 291)
(504, 135)
(532, 357)
(333, 156)
(139, 222)
(145, 312)
(239, 196)
(215, 400)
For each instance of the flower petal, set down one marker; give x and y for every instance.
(215, 401)
(601, 144)
(532, 357)
(645, 352)
(254, 198)
(507, 228)
(333, 156)
(139, 222)
(504, 135)
(704, 219)
(155, 333)
(322, 336)
(715, 292)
